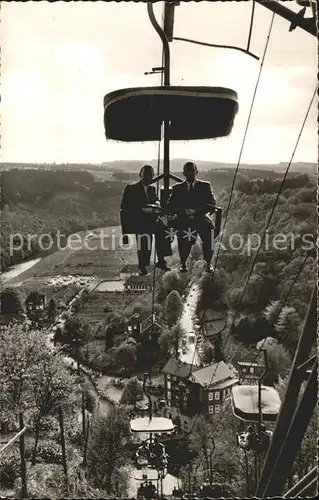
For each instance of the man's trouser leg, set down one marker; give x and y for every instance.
(144, 248)
(162, 242)
(206, 233)
(184, 246)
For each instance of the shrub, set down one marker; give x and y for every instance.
(48, 454)
(9, 470)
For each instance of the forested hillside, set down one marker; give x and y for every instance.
(36, 202)
(43, 201)
(289, 245)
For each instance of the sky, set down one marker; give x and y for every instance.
(59, 59)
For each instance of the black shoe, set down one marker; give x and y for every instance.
(183, 269)
(142, 271)
(209, 268)
(162, 265)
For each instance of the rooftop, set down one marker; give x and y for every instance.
(152, 320)
(247, 363)
(35, 296)
(250, 359)
(138, 280)
(212, 374)
(129, 268)
(226, 383)
(214, 326)
(177, 368)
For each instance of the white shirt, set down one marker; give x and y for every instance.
(146, 186)
(191, 184)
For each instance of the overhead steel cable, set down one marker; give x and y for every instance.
(284, 301)
(272, 211)
(241, 149)
(154, 260)
(236, 172)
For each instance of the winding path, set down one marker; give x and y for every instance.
(189, 354)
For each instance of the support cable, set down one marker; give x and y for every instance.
(235, 175)
(258, 353)
(154, 261)
(241, 151)
(272, 211)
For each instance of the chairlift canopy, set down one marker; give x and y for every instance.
(137, 114)
(245, 403)
(157, 424)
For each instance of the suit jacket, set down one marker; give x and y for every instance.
(199, 198)
(134, 199)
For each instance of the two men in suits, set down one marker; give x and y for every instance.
(192, 200)
(135, 201)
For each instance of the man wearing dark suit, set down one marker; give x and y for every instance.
(135, 199)
(192, 200)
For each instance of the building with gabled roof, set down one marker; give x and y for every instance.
(177, 368)
(128, 270)
(35, 301)
(138, 283)
(190, 390)
(249, 367)
(150, 325)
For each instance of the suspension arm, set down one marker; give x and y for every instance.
(165, 42)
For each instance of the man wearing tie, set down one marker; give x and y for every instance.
(193, 200)
(135, 199)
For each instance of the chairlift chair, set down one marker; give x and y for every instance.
(245, 406)
(145, 455)
(183, 113)
(250, 441)
(245, 403)
(193, 113)
(130, 224)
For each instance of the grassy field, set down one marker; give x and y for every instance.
(99, 304)
(104, 261)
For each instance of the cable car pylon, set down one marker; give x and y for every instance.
(307, 24)
(293, 419)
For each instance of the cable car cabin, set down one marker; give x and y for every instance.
(137, 114)
(245, 403)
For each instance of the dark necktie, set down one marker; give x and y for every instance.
(149, 194)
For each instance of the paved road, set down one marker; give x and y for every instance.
(190, 353)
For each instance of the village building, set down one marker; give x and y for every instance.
(214, 326)
(249, 368)
(138, 284)
(35, 302)
(128, 271)
(150, 325)
(191, 390)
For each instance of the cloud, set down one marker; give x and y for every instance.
(60, 59)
